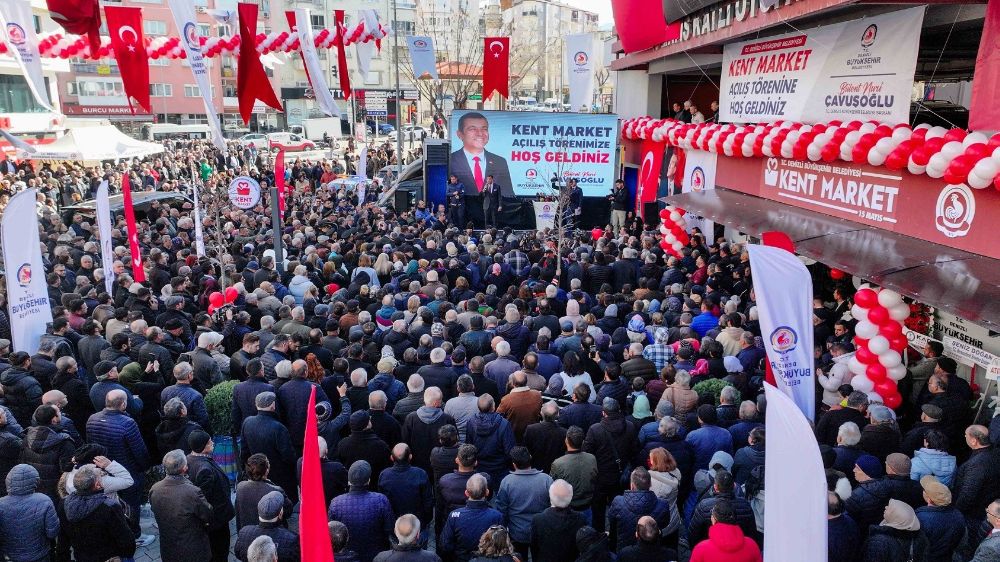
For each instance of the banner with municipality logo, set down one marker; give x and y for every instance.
(244, 192)
(184, 17)
(522, 150)
(422, 56)
(17, 25)
(860, 69)
(699, 176)
(27, 293)
(785, 303)
(580, 68)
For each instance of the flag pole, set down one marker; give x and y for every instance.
(276, 225)
(395, 56)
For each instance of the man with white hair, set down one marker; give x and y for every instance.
(407, 547)
(500, 369)
(182, 512)
(413, 400)
(206, 370)
(420, 428)
(553, 531)
(297, 324)
(192, 399)
(438, 374)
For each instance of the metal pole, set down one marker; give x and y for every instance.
(276, 225)
(395, 57)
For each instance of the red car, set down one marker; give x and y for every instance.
(289, 142)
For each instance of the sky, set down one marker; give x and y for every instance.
(602, 7)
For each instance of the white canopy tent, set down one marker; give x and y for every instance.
(92, 144)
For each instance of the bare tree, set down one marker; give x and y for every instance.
(601, 78)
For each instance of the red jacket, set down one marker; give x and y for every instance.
(726, 543)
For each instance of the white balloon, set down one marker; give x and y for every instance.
(889, 298)
(915, 169)
(901, 134)
(786, 149)
(922, 126)
(996, 152)
(867, 128)
(670, 238)
(747, 151)
(890, 359)
(885, 144)
(936, 131)
(878, 345)
(859, 313)
(867, 330)
(876, 157)
(899, 312)
(675, 216)
(952, 149)
(987, 168)
(862, 383)
(678, 246)
(975, 137)
(855, 366)
(845, 152)
(936, 167)
(852, 138)
(977, 181)
(897, 373)
(814, 152)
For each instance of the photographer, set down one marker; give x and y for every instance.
(619, 205)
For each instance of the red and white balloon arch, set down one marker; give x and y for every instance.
(954, 155)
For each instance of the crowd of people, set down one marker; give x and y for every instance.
(479, 396)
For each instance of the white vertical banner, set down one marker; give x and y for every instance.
(104, 227)
(699, 176)
(365, 53)
(422, 56)
(19, 31)
(199, 238)
(784, 304)
(795, 517)
(27, 294)
(317, 75)
(362, 171)
(187, 24)
(580, 68)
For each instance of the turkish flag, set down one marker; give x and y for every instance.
(641, 25)
(279, 178)
(251, 80)
(983, 110)
(342, 72)
(125, 29)
(80, 17)
(314, 533)
(496, 66)
(649, 174)
(138, 273)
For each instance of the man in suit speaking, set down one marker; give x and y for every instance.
(472, 162)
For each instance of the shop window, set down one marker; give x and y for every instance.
(15, 96)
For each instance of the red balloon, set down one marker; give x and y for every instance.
(598, 232)
(898, 343)
(837, 274)
(665, 245)
(860, 342)
(994, 142)
(935, 144)
(958, 169)
(893, 400)
(877, 373)
(216, 299)
(859, 154)
(866, 298)
(664, 214)
(878, 314)
(955, 135)
(978, 151)
(896, 160)
(885, 387)
(890, 328)
(865, 356)
(231, 295)
(211, 309)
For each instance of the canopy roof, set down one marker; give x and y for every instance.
(104, 142)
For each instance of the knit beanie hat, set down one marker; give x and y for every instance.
(870, 466)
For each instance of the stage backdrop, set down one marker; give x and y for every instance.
(522, 150)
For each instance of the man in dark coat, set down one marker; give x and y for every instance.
(465, 525)
(182, 513)
(546, 440)
(94, 523)
(407, 487)
(493, 437)
(293, 400)
(439, 375)
(553, 531)
(874, 491)
(830, 422)
(270, 509)
(245, 394)
(581, 412)
(420, 428)
(22, 393)
(612, 442)
(367, 515)
(363, 444)
(206, 474)
(940, 521)
(408, 543)
(722, 489)
(843, 536)
(413, 400)
(264, 433)
(648, 545)
(977, 480)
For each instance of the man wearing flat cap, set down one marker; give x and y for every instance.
(205, 473)
(269, 511)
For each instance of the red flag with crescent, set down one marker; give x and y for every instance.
(138, 273)
(80, 17)
(496, 66)
(342, 73)
(125, 29)
(649, 174)
(251, 80)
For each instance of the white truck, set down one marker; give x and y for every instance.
(315, 129)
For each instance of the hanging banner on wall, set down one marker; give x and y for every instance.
(422, 56)
(580, 67)
(184, 18)
(860, 69)
(18, 28)
(28, 304)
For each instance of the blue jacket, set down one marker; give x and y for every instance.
(293, 401)
(548, 364)
(408, 489)
(523, 494)
(580, 415)
(626, 510)
(465, 526)
(843, 539)
(704, 322)
(120, 435)
(494, 438)
(706, 440)
(99, 391)
(192, 399)
(28, 520)
(269, 359)
(932, 461)
(369, 520)
(393, 388)
(617, 389)
(245, 400)
(945, 529)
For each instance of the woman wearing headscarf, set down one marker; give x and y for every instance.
(897, 537)
(592, 545)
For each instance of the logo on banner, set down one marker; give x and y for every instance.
(868, 37)
(531, 173)
(244, 192)
(16, 34)
(783, 339)
(420, 44)
(956, 207)
(771, 172)
(580, 58)
(697, 179)
(191, 36)
(24, 275)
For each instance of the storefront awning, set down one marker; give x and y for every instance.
(959, 282)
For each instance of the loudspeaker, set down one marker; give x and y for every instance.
(436, 152)
(402, 200)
